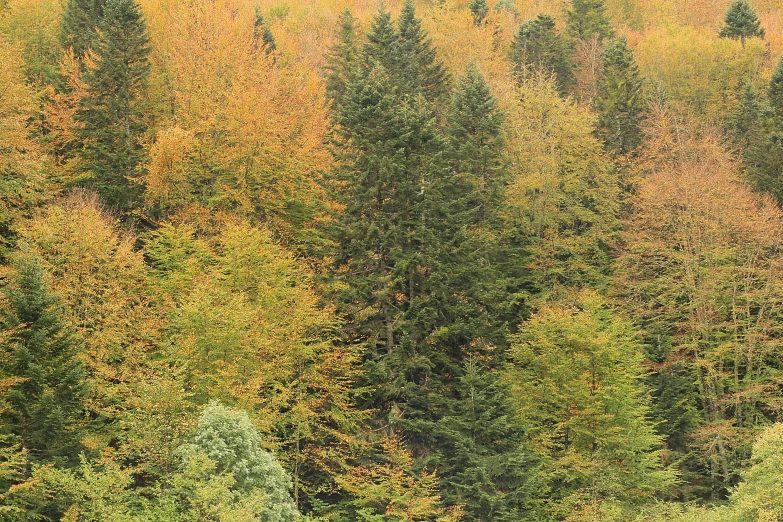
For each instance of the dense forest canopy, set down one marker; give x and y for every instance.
(402, 260)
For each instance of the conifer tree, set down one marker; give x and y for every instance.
(262, 32)
(342, 60)
(479, 9)
(620, 100)
(537, 47)
(741, 22)
(475, 138)
(80, 21)
(775, 91)
(111, 113)
(764, 162)
(747, 125)
(587, 19)
(415, 61)
(39, 349)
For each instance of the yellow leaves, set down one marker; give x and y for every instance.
(391, 489)
(246, 135)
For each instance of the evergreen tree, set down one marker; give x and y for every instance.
(741, 22)
(342, 60)
(475, 137)
(775, 91)
(483, 460)
(620, 100)
(111, 113)
(415, 63)
(764, 163)
(537, 47)
(45, 406)
(479, 9)
(748, 124)
(262, 32)
(587, 19)
(80, 21)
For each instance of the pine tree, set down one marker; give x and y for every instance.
(741, 23)
(537, 47)
(479, 9)
(45, 406)
(620, 100)
(111, 113)
(342, 60)
(80, 21)
(587, 19)
(775, 91)
(262, 32)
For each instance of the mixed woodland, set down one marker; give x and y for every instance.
(401, 260)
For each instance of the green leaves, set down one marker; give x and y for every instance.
(741, 22)
(538, 49)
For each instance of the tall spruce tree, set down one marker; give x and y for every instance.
(79, 25)
(537, 47)
(415, 61)
(741, 22)
(587, 19)
(112, 112)
(40, 350)
(775, 91)
(342, 60)
(620, 101)
(748, 125)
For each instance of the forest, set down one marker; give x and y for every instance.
(391, 260)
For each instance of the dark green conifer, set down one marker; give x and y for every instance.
(479, 9)
(775, 92)
(537, 47)
(764, 163)
(78, 28)
(261, 32)
(38, 348)
(747, 124)
(620, 101)
(475, 138)
(741, 22)
(415, 61)
(112, 112)
(483, 461)
(343, 60)
(587, 19)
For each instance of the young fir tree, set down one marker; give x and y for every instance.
(620, 101)
(480, 10)
(342, 60)
(45, 405)
(748, 125)
(262, 33)
(482, 457)
(741, 23)
(775, 91)
(111, 112)
(79, 25)
(537, 47)
(764, 163)
(587, 19)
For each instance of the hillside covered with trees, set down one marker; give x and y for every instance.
(412, 260)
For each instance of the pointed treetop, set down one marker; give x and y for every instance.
(587, 19)
(776, 90)
(741, 22)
